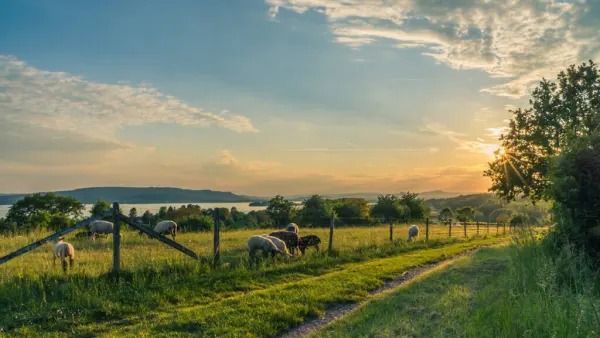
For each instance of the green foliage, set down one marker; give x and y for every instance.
(518, 220)
(351, 210)
(43, 211)
(389, 208)
(416, 208)
(316, 211)
(196, 223)
(280, 210)
(560, 113)
(576, 187)
(446, 215)
(101, 207)
(465, 214)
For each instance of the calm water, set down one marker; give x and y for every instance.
(154, 207)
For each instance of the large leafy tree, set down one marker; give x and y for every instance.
(446, 215)
(44, 211)
(389, 208)
(560, 113)
(315, 211)
(417, 210)
(465, 214)
(280, 210)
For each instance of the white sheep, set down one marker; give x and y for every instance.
(293, 227)
(63, 250)
(413, 231)
(264, 244)
(166, 227)
(280, 244)
(100, 227)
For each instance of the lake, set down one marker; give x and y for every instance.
(154, 207)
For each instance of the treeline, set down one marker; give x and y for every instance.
(489, 208)
(53, 212)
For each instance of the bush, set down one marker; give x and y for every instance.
(576, 187)
(196, 223)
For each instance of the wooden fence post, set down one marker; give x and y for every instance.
(465, 228)
(497, 227)
(116, 240)
(504, 228)
(450, 228)
(216, 238)
(427, 229)
(477, 227)
(391, 232)
(331, 226)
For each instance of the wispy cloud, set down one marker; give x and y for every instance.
(65, 102)
(462, 141)
(519, 41)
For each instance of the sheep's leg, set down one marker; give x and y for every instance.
(71, 262)
(302, 249)
(64, 264)
(318, 248)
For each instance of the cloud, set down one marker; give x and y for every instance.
(462, 141)
(518, 42)
(64, 102)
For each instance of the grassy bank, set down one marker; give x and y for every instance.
(39, 300)
(514, 291)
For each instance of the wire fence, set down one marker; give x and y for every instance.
(336, 234)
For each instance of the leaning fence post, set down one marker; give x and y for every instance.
(391, 231)
(427, 229)
(465, 228)
(216, 239)
(450, 228)
(331, 226)
(116, 240)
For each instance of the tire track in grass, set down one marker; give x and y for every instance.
(336, 312)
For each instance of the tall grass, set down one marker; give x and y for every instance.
(37, 296)
(543, 294)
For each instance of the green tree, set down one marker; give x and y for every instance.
(315, 211)
(133, 213)
(101, 207)
(446, 215)
(352, 210)
(576, 187)
(560, 113)
(465, 214)
(518, 220)
(389, 208)
(280, 210)
(417, 210)
(44, 211)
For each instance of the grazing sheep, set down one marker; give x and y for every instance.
(279, 244)
(413, 231)
(306, 241)
(293, 227)
(100, 227)
(264, 244)
(63, 250)
(289, 237)
(166, 227)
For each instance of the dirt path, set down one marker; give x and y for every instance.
(335, 312)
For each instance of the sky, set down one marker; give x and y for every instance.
(269, 97)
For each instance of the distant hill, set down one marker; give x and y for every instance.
(372, 196)
(141, 195)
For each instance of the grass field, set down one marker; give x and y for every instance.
(510, 291)
(162, 292)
